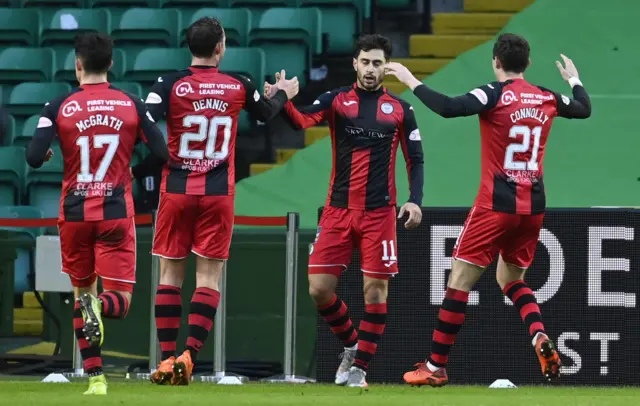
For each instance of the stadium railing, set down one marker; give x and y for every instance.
(291, 222)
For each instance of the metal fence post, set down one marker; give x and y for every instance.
(291, 302)
(220, 375)
(154, 346)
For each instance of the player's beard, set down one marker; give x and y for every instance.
(368, 81)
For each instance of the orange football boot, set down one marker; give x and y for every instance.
(549, 358)
(182, 368)
(164, 374)
(423, 376)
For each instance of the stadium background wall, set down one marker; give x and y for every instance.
(586, 278)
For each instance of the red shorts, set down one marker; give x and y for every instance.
(99, 248)
(487, 232)
(199, 224)
(340, 230)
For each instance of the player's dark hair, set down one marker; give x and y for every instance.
(95, 51)
(513, 52)
(203, 36)
(368, 42)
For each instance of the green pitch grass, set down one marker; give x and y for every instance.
(20, 393)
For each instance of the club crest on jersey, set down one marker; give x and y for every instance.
(386, 108)
(508, 97)
(184, 89)
(71, 108)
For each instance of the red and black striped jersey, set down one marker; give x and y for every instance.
(97, 126)
(515, 121)
(201, 106)
(366, 129)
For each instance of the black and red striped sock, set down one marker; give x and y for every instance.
(336, 315)
(204, 305)
(525, 301)
(450, 320)
(114, 305)
(91, 357)
(370, 331)
(168, 311)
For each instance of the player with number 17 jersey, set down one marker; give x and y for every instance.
(97, 126)
(201, 106)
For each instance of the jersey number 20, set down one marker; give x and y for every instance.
(522, 147)
(207, 130)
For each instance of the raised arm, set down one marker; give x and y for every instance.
(477, 101)
(580, 105)
(311, 115)
(262, 108)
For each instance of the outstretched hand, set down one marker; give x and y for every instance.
(402, 73)
(569, 70)
(290, 86)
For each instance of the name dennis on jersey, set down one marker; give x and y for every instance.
(210, 104)
(99, 119)
(529, 112)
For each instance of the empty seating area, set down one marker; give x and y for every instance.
(37, 63)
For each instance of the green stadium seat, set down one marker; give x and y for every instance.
(22, 212)
(44, 185)
(289, 37)
(26, 65)
(40, 4)
(340, 23)
(263, 3)
(23, 137)
(114, 5)
(396, 4)
(18, 27)
(236, 22)
(130, 87)
(62, 26)
(12, 173)
(151, 63)
(193, 4)
(250, 62)
(27, 99)
(148, 27)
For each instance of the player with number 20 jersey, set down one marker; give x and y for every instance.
(201, 106)
(506, 218)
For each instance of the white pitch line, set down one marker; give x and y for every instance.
(615, 96)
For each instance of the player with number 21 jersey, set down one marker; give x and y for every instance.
(507, 216)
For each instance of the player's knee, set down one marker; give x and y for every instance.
(321, 293)
(375, 290)
(208, 273)
(172, 272)
(508, 273)
(463, 276)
